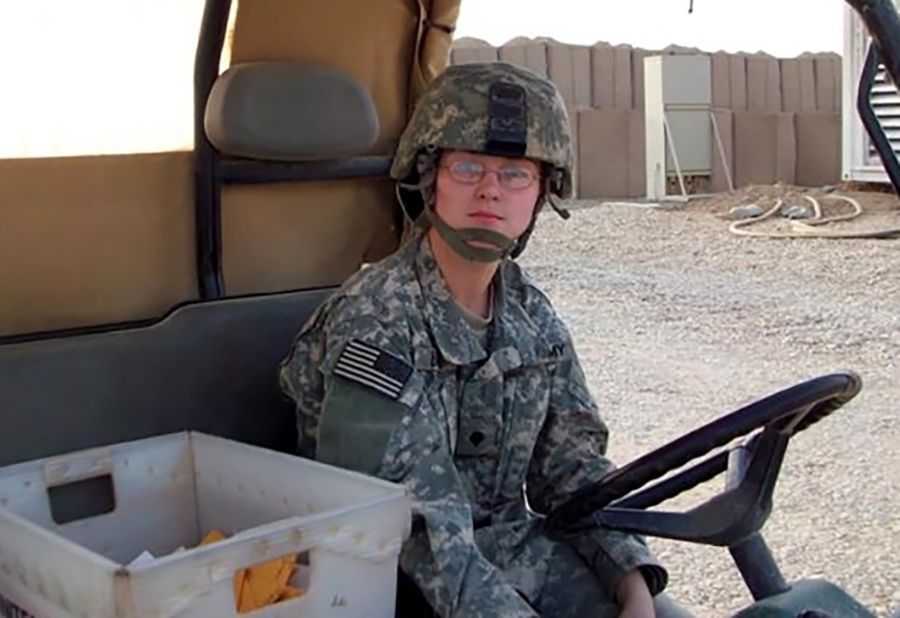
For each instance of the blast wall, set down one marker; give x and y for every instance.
(779, 118)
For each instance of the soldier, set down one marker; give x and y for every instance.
(446, 369)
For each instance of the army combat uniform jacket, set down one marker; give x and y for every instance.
(389, 379)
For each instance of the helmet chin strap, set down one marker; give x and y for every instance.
(460, 240)
(457, 240)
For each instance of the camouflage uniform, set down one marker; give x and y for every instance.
(470, 427)
(485, 424)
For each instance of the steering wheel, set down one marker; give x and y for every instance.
(729, 516)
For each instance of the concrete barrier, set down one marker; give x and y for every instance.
(798, 82)
(623, 78)
(721, 80)
(472, 50)
(827, 69)
(763, 84)
(526, 53)
(818, 136)
(611, 153)
(637, 76)
(569, 67)
(737, 70)
(807, 83)
(603, 83)
(764, 148)
(778, 119)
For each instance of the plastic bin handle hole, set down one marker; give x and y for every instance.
(82, 499)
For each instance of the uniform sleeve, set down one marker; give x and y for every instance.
(351, 419)
(441, 555)
(571, 453)
(301, 380)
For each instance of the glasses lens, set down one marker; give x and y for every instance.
(516, 177)
(468, 172)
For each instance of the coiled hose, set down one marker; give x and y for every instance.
(807, 229)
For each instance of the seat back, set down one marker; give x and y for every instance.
(210, 366)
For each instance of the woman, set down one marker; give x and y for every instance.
(446, 369)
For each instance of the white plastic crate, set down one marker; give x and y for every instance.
(171, 490)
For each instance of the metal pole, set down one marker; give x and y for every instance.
(207, 188)
(715, 126)
(674, 154)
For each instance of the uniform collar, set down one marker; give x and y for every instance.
(449, 330)
(515, 338)
(514, 327)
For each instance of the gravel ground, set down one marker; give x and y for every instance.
(679, 321)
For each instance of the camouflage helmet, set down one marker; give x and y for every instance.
(492, 108)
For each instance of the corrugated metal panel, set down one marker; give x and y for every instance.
(886, 104)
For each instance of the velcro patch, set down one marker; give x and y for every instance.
(367, 365)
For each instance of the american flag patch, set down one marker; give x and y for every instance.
(374, 368)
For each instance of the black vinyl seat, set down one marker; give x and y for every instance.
(207, 366)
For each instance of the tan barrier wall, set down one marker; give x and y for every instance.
(767, 147)
(778, 118)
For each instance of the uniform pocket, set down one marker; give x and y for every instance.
(355, 426)
(480, 418)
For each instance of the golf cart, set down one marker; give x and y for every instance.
(168, 302)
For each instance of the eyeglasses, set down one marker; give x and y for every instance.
(471, 172)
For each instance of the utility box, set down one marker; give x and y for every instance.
(678, 121)
(72, 526)
(859, 159)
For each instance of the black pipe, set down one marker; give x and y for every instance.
(758, 567)
(207, 193)
(870, 120)
(883, 23)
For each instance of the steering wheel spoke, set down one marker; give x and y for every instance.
(734, 514)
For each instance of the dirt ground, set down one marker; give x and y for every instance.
(678, 320)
